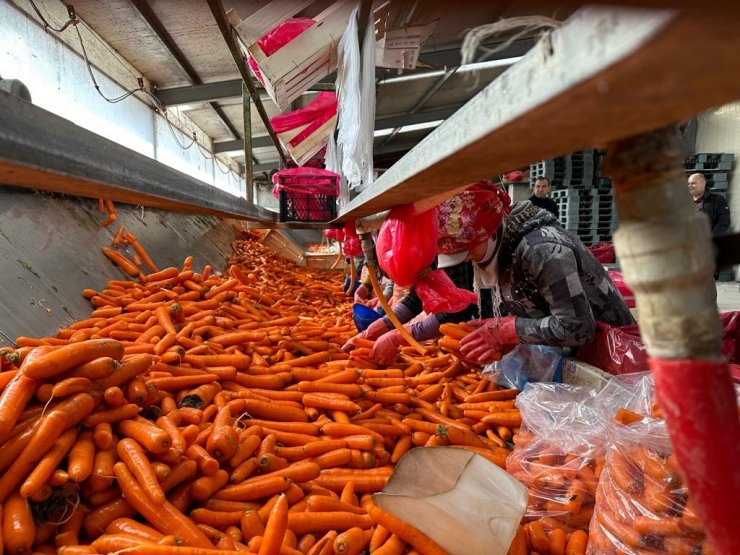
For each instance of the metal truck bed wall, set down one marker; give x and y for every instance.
(50, 251)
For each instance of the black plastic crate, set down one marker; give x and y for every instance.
(307, 207)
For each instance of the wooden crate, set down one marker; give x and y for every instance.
(398, 48)
(284, 247)
(309, 146)
(303, 61)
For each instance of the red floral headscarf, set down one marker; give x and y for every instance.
(470, 217)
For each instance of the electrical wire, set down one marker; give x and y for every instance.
(95, 82)
(46, 23)
(157, 104)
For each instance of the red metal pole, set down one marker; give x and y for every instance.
(667, 258)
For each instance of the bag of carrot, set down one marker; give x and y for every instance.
(559, 453)
(642, 504)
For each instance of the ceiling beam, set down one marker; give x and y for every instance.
(41, 150)
(380, 123)
(219, 14)
(207, 92)
(638, 73)
(159, 29)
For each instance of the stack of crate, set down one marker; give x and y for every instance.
(583, 195)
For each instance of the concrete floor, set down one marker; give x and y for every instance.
(728, 296)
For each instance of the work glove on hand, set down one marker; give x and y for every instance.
(373, 331)
(361, 294)
(490, 340)
(386, 348)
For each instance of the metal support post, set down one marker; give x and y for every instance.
(248, 165)
(667, 258)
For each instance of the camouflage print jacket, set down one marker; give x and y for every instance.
(553, 283)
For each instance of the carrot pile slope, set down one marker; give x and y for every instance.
(198, 412)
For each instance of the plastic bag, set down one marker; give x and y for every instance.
(642, 504)
(469, 218)
(558, 453)
(277, 38)
(560, 450)
(406, 247)
(306, 180)
(439, 294)
(407, 244)
(356, 89)
(603, 252)
(616, 350)
(293, 128)
(528, 363)
(352, 246)
(627, 293)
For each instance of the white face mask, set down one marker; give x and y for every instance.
(486, 270)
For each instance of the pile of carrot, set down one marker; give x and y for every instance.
(642, 505)
(197, 412)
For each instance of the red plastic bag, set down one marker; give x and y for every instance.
(627, 293)
(406, 247)
(407, 244)
(306, 180)
(603, 252)
(352, 246)
(303, 132)
(439, 294)
(615, 350)
(277, 38)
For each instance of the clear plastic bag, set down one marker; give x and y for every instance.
(558, 453)
(560, 450)
(527, 363)
(356, 89)
(642, 505)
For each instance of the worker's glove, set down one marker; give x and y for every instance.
(386, 348)
(373, 331)
(490, 340)
(361, 294)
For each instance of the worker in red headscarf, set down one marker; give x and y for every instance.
(547, 282)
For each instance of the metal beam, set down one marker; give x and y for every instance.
(638, 73)
(41, 150)
(159, 29)
(451, 57)
(248, 161)
(217, 9)
(215, 91)
(226, 146)
(381, 123)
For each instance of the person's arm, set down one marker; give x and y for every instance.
(571, 321)
(428, 328)
(722, 219)
(405, 309)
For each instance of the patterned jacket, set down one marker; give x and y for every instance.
(553, 283)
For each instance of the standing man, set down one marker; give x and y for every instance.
(540, 198)
(712, 204)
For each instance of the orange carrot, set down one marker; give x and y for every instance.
(132, 454)
(276, 526)
(405, 531)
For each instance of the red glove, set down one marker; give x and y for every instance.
(373, 331)
(386, 348)
(488, 342)
(361, 294)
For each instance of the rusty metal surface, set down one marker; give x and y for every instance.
(50, 251)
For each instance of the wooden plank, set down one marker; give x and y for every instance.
(268, 17)
(604, 75)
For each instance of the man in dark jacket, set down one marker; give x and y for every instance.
(540, 198)
(712, 204)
